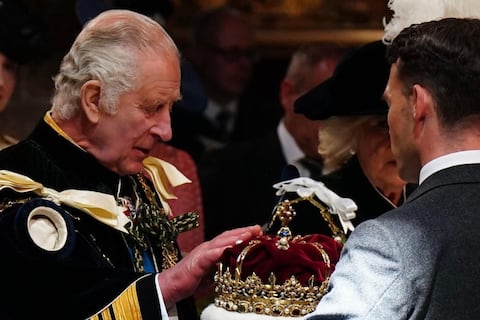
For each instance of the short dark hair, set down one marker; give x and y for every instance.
(444, 57)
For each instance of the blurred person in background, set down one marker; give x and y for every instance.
(222, 52)
(21, 40)
(253, 166)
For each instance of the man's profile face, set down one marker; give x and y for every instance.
(228, 63)
(400, 123)
(123, 140)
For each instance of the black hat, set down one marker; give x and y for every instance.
(21, 35)
(355, 88)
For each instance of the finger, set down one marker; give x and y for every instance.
(228, 238)
(256, 229)
(225, 240)
(228, 241)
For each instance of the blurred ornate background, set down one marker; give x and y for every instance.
(300, 13)
(281, 26)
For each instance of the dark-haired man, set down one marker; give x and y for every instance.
(420, 261)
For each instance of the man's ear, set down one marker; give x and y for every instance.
(422, 107)
(90, 99)
(286, 93)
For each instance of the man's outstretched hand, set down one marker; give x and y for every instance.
(182, 280)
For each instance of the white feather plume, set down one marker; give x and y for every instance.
(408, 12)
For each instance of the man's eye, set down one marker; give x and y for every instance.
(152, 110)
(149, 111)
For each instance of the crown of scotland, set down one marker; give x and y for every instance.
(280, 275)
(291, 298)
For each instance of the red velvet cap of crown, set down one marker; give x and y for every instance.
(303, 259)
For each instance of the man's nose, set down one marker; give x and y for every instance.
(162, 126)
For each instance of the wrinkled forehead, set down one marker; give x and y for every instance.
(161, 69)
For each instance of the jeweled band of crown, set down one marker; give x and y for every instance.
(251, 295)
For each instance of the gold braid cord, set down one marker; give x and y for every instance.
(154, 221)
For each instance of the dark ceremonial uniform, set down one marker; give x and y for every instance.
(98, 268)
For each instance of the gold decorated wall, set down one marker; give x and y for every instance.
(282, 25)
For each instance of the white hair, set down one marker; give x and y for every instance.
(408, 12)
(107, 49)
(338, 138)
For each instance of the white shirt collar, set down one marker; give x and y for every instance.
(213, 108)
(449, 160)
(291, 151)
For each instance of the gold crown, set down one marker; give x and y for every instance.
(252, 295)
(278, 275)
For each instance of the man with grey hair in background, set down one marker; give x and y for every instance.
(293, 140)
(85, 228)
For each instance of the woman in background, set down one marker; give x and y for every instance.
(354, 138)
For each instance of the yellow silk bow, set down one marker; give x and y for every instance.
(163, 174)
(100, 206)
